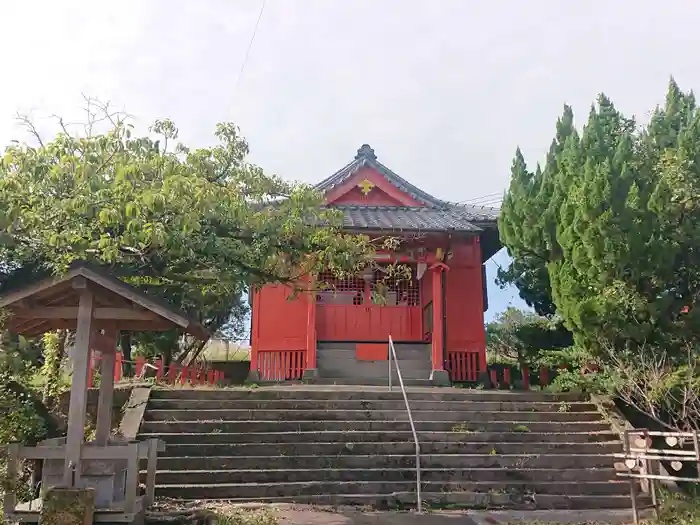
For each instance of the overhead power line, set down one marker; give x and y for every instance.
(250, 46)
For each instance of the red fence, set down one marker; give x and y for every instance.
(463, 367)
(175, 373)
(281, 365)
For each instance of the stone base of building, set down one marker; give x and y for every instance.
(440, 378)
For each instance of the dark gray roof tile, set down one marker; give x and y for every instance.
(411, 218)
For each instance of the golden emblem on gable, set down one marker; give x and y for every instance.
(366, 186)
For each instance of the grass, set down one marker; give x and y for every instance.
(245, 517)
(224, 351)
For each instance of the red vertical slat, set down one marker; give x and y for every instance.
(210, 377)
(90, 365)
(159, 370)
(118, 367)
(184, 371)
(140, 363)
(526, 378)
(172, 371)
(506, 375)
(193, 374)
(202, 376)
(494, 376)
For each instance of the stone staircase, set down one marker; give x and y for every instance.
(353, 446)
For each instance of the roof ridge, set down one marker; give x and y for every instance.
(366, 157)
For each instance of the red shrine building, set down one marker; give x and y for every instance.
(340, 332)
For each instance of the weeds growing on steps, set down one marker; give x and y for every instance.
(245, 517)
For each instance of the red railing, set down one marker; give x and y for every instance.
(175, 373)
(463, 366)
(281, 365)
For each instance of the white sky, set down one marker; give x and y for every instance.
(444, 90)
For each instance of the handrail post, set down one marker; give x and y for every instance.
(390, 348)
(392, 353)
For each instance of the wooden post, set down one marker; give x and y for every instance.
(311, 328)
(79, 387)
(118, 358)
(151, 471)
(10, 499)
(104, 405)
(132, 477)
(526, 378)
(140, 363)
(160, 369)
(91, 373)
(438, 333)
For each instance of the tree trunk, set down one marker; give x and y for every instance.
(167, 356)
(125, 344)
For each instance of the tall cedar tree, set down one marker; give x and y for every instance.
(612, 221)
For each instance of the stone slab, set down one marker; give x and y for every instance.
(134, 410)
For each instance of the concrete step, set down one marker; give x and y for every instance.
(372, 381)
(436, 500)
(275, 490)
(209, 477)
(466, 416)
(173, 426)
(370, 437)
(407, 447)
(368, 404)
(360, 392)
(405, 461)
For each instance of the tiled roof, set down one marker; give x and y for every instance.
(436, 215)
(366, 158)
(411, 218)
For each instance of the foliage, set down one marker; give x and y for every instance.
(521, 337)
(54, 351)
(196, 227)
(655, 385)
(527, 221)
(24, 418)
(612, 220)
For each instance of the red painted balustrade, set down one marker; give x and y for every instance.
(281, 365)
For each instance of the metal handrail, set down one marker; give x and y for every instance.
(392, 353)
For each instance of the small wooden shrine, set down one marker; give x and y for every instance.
(97, 306)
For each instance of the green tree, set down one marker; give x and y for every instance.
(521, 337)
(527, 223)
(613, 220)
(197, 227)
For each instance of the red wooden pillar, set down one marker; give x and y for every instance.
(254, 374)
(438, 375)
(310, 365)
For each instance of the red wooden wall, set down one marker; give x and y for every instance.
(279, 323)
(370, 322)
(464, 304)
